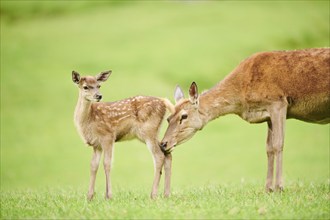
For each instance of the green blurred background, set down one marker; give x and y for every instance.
(150, 47)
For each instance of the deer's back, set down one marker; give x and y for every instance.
(301, 78)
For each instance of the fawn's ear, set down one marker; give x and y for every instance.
(193, 93)
(103, 76)
(178, 94)
(75, 77)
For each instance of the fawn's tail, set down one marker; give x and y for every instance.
(169, 105)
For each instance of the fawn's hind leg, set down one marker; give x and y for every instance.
(158, 158)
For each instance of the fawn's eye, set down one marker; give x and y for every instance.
(98, 86)
(85, 87)
(169, 118)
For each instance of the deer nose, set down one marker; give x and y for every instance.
(163, 146)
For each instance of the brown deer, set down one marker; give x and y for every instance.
(266, 87)
(100, 124)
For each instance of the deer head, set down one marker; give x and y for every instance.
(89, 85)
(185, 121)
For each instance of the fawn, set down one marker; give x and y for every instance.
(100, 124)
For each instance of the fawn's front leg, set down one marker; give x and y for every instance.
(107, 148)
(94, 167)
(168, 173)
(158, 158)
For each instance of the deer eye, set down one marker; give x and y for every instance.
(85, 87)
(184, 116)
(98, 86)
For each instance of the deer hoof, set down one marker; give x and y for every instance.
(108, 196)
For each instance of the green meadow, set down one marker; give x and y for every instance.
(151, 46)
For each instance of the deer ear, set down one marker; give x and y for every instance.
(103, 76)
(193, 93)
(75, 77)
(178, 94)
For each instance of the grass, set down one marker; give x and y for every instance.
(227, 201)
(151, 47)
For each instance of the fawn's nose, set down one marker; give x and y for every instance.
(163, 146)
(98, 96)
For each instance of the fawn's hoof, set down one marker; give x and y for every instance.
(269, 189)
(153, 196)
(166, 195)
(90, 196)
(279, 188)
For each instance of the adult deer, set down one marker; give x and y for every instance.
(100, 124)
(266, 87)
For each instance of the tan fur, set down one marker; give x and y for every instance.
(100, 124)
(266, 87)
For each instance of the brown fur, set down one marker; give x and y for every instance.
(299, 76)
(266, 87)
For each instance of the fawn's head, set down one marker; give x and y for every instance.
(185, 121)
(89, 86)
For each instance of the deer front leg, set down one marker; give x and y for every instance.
(279, 164)
(94, 167)
(168, 173)
(270, 157)
(107, 168)
(158, 158)
(278, 122)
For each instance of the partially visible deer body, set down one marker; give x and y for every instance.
(266, 87)
(100, 124)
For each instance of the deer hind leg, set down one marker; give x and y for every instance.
(158, 158)
(270, 157)
(168, 173)
(278, 118)
(107, 148)
(94, 167)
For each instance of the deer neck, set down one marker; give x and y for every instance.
(83, 111)
(220, 100)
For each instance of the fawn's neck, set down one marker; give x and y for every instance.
(82, 111)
